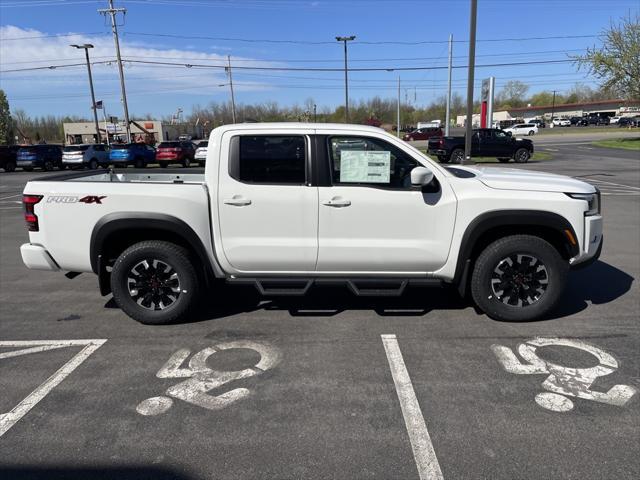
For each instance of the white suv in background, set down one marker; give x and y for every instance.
(88, 155)
(201, 152)
(522, 129)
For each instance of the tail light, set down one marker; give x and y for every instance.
(29, 202)
(441, 142)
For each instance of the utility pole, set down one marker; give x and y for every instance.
(86, 47)
(112, 12)
(398, 119)
(448, 114)
(233, 99)
(346, 77)
(315, 114)
(553, 107)
(471, 68)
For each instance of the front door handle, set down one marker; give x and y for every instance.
(237, 200)
(337, 202)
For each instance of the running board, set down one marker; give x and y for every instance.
(362, 287)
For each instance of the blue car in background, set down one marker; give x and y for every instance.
(136, 154)
(40, 156)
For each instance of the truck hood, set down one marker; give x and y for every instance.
(516, 179)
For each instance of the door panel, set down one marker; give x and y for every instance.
(383, 227)
(267, 226)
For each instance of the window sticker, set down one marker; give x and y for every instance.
(360, 166)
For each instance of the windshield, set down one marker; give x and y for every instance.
(76, 148)
(203, 144)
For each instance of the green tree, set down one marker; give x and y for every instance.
(6, 124)
(617, 61)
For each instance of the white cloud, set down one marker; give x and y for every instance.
(16, 53)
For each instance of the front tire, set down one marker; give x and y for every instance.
(531, 133)
(140, 163)
(522, 155)
(518, 278)
(155, 282)
(93, 164)
(186, 163)
(163, 164)
(10, 167)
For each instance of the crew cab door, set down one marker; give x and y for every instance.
(268, 212)
(370, 217)
(499, 144)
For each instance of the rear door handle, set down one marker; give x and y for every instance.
(337, 202)
(237, 200)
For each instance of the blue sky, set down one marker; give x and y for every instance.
(160, 90)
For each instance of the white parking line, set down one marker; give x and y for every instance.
(9, 419)
(423, 453)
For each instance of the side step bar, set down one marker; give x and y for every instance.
(298, 286)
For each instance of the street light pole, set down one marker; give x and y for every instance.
(86, 47)
(448, 113)
(471, 68)
(398, 112)
(346, 77)
(553, 107)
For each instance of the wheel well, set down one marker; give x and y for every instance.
(551, 235)
(468, 257)
(110, 239)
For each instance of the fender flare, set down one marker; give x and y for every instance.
(114, 222)
(507, 218)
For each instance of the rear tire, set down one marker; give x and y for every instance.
(507, 284)
(457, 156)
(522, 155)
(47, 166)
(93, 164)
(163, 164)
(186, 163)
(155, 282)
(10, 167)
(139, 163)
(531, 132)
(27, 169)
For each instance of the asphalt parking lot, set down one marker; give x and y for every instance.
(89, 393)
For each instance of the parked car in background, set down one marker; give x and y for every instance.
(485, 142)
(8, 154)
(90, 156)
(424, 133)
(597, 120)
(629, 122)
(201, 152)
(522, 129)
(136, 154)
(561, 122)
(579, 121)
(614, 120)
(182, 152)
(42, 156)
(539, 123)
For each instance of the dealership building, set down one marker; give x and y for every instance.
(609, 108)
(149, 131)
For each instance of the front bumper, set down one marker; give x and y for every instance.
(36, 257)
(593, 240)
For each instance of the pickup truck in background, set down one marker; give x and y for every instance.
(287, 206)
(485, 142)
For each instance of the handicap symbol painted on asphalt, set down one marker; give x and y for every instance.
(201, 379)
(564, 382)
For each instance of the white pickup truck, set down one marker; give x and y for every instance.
(288, 206)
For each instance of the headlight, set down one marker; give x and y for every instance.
(592, 199)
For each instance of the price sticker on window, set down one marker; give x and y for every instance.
(361, 166)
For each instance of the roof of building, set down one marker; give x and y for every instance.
(577, 104)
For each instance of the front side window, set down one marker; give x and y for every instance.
(271, 159)
(369, 161)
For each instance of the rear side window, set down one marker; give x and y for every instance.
(268, 159)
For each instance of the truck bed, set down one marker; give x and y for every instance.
(135, 176)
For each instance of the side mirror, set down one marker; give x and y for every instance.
(421, 176)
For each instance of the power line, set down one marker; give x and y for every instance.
(60, 35)
(357, 42)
